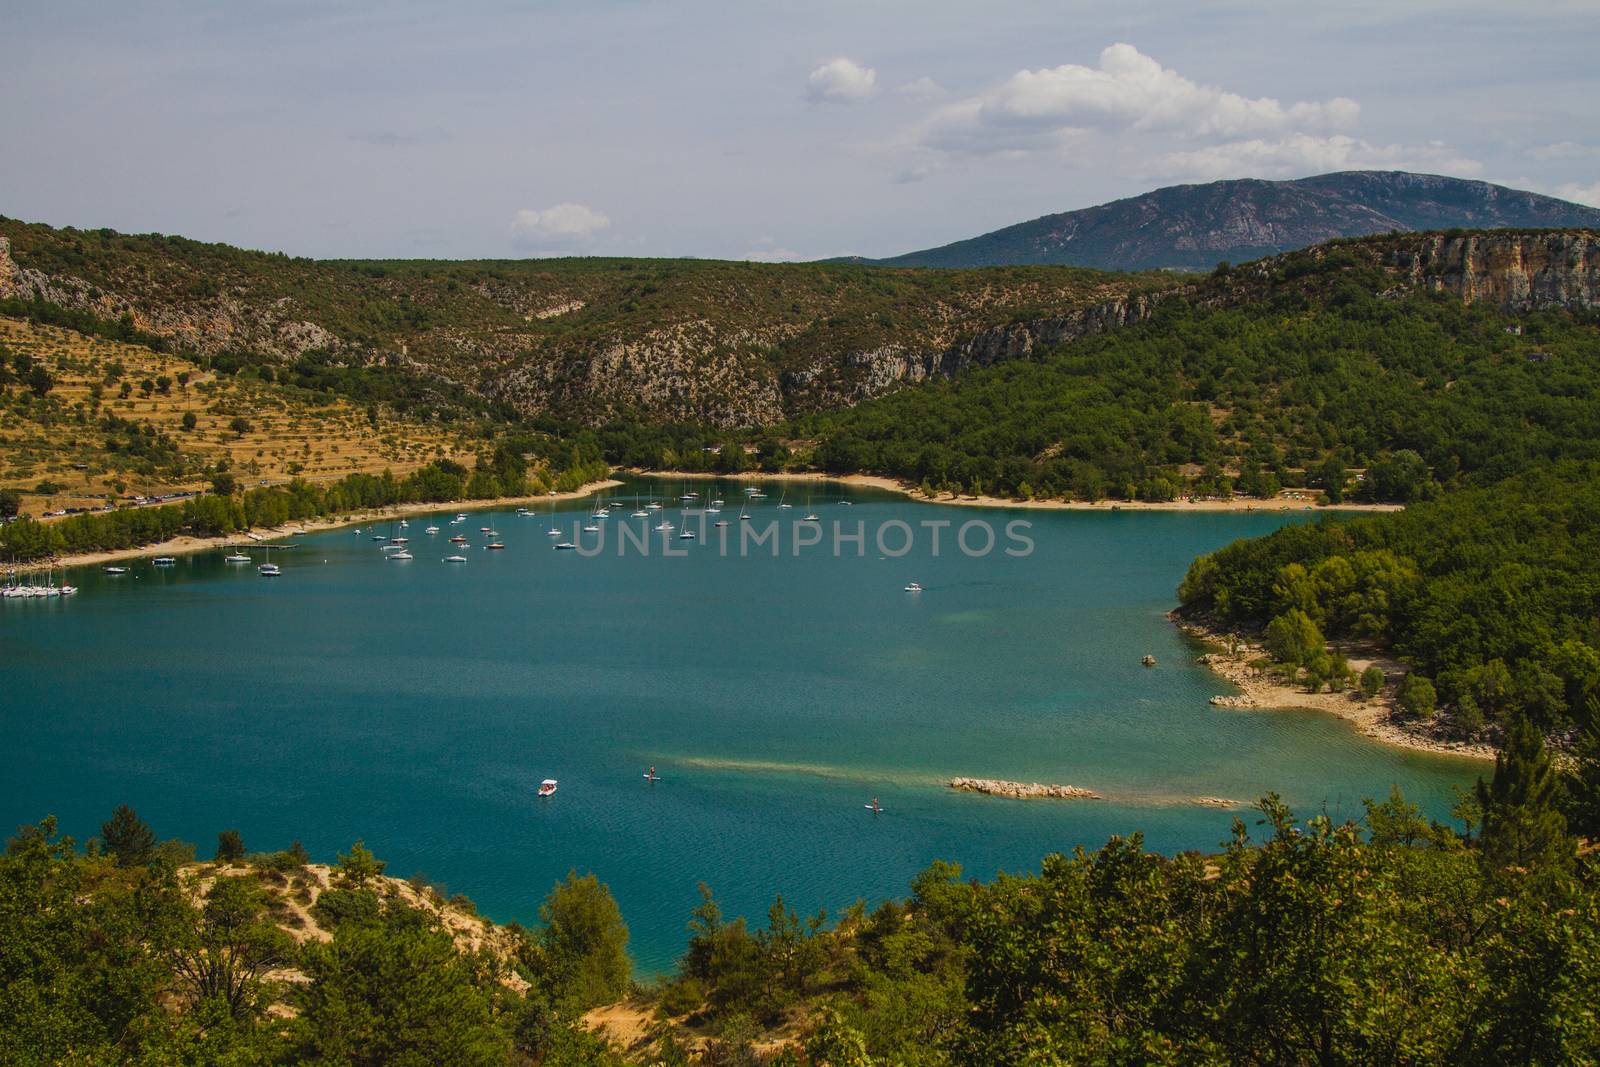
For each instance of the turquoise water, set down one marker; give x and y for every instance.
(417, 705)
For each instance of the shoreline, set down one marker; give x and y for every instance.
(187, 545)
(1373, 718)
(892, 485)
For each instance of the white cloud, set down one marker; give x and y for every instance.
(1129, 92)
(920, 89)
(1301, 154)
(768, 250)
(1582, 194)
(841, 81)
(560, 224)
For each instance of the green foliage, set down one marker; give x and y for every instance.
(1371, 682)
(127, 838)
(1487, 592)
(584, 944)
(1293, 638)
(1416, 696)
(1523, 826)
(230, 847)
(358, 866)
(1290, 384)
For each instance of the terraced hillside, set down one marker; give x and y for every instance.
(115, 424)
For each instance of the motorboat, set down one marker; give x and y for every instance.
(455, 559)
(402, 554)
(236, 557)
(565, 546)
(165, 561)
(493, 546)
(547, 787)
(913, 587)
(115, 570)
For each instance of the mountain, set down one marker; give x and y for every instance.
(1194, 227)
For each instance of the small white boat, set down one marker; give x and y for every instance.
(553, 532)
(687, 535)
(165, 561)
(455, 559)
(641, 514)
(810, 518)
(717, 503)
(115, 570)
(431, 530)
(404, 524)
(493, 546)
(663, 526)
(591, 528)
(913, 587)
(721, 522)
(653, 506)
(484, 529)
(547, 787)
(236, 557)
(565, 546)
(269, 570)
(846, 503)
(399, 540)
(379, 537)
(66, 590)
(402, 554)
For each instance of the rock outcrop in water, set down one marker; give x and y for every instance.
(1022, 790)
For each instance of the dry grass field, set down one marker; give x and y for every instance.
(103, 435)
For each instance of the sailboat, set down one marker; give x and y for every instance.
(810, 515)
(639, 512)
(236, 557)
(743, 514)
(554, 530)
(782, 503)
(268, 569)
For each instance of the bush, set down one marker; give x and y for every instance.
(1371, 682)
(683, 997)
(1416, 696)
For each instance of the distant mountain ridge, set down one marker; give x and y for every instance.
(1194, 227)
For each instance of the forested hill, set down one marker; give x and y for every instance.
(1194, 227)
(729, 344)
(1421, 360)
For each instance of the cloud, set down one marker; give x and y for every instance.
(841, 81)
(920, 89)
(1582, 194)
(1564, 150)
(768, 250)
(1300, 154)
(561, 224)
(1129, 92)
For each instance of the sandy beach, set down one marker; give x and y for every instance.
(891, 485)
(185, 544)
(1377, 718)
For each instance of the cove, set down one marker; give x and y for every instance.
(418, 704)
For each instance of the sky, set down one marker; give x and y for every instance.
(752, 129)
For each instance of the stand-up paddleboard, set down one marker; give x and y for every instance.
(876, 810)
(651, 777)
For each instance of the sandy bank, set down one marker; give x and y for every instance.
(185, 544)
(1377, 718)
(891, 485)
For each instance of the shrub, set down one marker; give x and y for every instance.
(1371, 682)
(1416, 696)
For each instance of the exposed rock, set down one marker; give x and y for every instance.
(1239, 701)
(1214, 802)
(1022, 790)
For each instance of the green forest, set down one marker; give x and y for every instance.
(1319, 378)
(1388, 940)
(1488, 593)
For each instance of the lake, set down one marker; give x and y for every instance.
(418, 704)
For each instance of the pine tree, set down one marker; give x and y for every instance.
(1522, 821)
(128, 838)
(1583, 786)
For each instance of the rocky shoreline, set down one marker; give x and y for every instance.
(1236, 661)
(995, 787)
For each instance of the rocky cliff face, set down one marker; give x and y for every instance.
(711, 353)
(1519, 271)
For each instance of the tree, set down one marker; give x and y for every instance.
(584, 943)
(1522, 821)
(396, 992)
(40, 382)
(10, 503)
(224, 483)
(128, 838)
(1333, 477)
(229, 949)
(163, 385)
(189, 420)
(1416, 696)
(230, 847)
(358, 866)
(240, 425)
(1371, 682)
(1293, 638)
(1583, 783)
